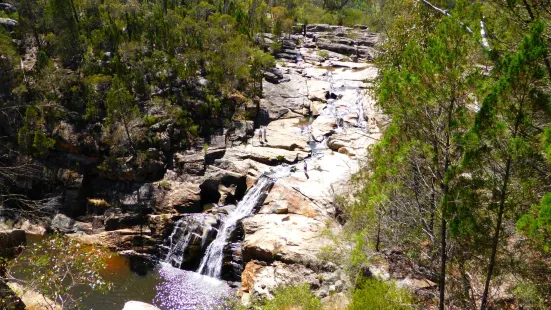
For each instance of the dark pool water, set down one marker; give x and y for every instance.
(166, 287)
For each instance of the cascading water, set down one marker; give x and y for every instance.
(211, 264)
(188, 239)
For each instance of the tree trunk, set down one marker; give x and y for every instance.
(501, 211)
(442, 280)
(444, 204)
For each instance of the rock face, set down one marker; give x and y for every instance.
(283, 241)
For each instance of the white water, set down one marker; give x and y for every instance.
(189, 230)
(211, 263)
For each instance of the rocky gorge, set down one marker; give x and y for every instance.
(319, 121)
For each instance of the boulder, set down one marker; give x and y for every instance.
(322, 126)
(138, 305)
(285, 100)
(8, 23)
(33, 299)
(63, 223)
(119, 240)
(337, 48)
(8, 8)
(32, 229)
(270, 77)
(120, 221)
(316, 107)
(354, 140)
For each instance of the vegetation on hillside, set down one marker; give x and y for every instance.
(459, 181)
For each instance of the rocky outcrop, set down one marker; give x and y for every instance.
(177, 197)
(260, 279)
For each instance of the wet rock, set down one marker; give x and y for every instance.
(140, 263)
(190, 237)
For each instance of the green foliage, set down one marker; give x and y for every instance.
(292, 297)
(529, 296)
(31, 137)
(323, 54)
(58, 268)
(537, 223)
(375, 294)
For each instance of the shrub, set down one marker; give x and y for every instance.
(323, 54)
(375, 294)
(292, 297)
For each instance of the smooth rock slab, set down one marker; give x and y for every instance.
(291, 238)
(138, 305)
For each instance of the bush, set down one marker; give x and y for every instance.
(292, 297)
(323, 54)
(375, 294)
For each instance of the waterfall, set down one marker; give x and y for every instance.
(211, 264)
(188, 238)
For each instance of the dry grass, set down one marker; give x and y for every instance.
(99, 203)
